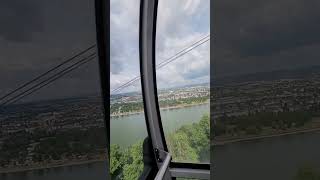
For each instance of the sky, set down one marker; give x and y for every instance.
(179, 24)
(36, 35)
(262, 36)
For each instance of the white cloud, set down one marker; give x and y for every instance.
(179, 24)
(191, 6)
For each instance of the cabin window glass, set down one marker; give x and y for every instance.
(183, 66)
(127, 121)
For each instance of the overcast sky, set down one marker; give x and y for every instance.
(179, 24)
(258, 35)
(36, 34)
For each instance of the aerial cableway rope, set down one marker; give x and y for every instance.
(167, 61)
(53, 78)
(49, 71)
(75, 64)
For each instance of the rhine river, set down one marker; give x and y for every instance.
(134, 126)
(92, 171)
(275, 158)
(125, 130)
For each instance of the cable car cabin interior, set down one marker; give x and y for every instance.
(158, 162)
(71, 131)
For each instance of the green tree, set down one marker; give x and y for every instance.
(115, 160)
(199, 134)
(180, 148)
(134, 166)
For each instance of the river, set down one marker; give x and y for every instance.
(276, 158)
(125, 130)
(94, 171)
(134, 126)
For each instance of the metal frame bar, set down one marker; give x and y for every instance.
(102, 9)
(102, 20)
(148, 76)
(190, 170)
(164, 168)
(190, 173)
(190, 165)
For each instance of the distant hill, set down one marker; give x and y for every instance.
(305, 72)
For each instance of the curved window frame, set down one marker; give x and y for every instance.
(147, 41)
(102, 20)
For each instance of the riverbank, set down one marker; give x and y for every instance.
(161, 108)
(312, 127)
(50, 165)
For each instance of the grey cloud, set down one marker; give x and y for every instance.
(116, 67)
(194, 74)
(116, 50)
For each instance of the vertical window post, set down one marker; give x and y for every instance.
(102, 14)
(148, 16)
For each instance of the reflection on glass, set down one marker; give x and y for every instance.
(127, 122)
(182, 57)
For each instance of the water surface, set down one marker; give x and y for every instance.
(271, 158)
(127, 130)
(92, 171)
